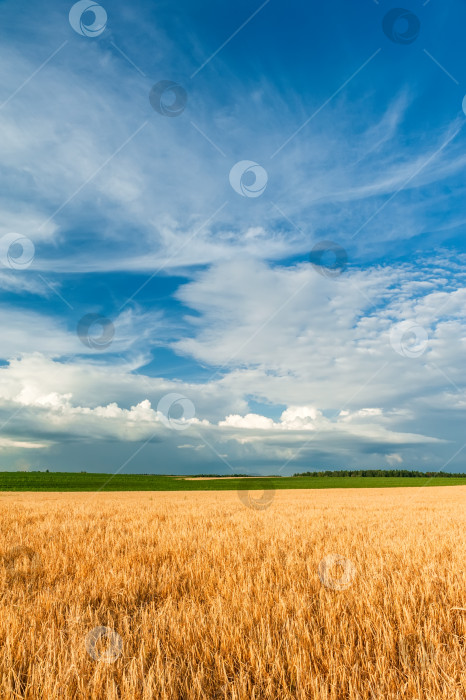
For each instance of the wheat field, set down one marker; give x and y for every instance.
(303, 594)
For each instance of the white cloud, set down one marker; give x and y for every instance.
(30, 331)
(328, 343)
(9, 444)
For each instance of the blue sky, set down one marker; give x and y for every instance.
(345, 137)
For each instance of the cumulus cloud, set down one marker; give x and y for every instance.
(329, 341)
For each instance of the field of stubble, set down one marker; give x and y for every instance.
(195, 595)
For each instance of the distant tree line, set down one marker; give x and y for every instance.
(381, 472)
